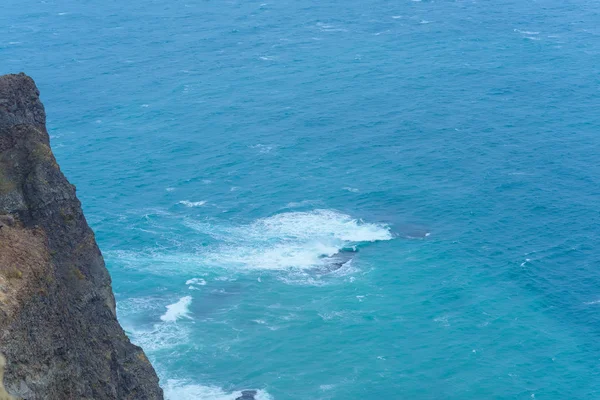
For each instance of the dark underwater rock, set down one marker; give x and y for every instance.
(334, 262)
(247, 395)
(58, 326)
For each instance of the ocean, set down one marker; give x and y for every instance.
(336, 199)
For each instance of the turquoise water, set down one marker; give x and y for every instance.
(224, 150)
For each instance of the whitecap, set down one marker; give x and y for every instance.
(351, 189)
(330, 28)
(191, 204)
(263, 148)
(299, 204)
(177, 310)
(196, 281)
(225, 279)
(526, 32)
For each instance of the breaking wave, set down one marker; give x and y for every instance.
(289, 240)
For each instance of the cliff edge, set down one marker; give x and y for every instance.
(58, 325)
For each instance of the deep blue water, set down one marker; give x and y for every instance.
(223, 149)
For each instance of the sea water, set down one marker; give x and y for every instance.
(226, 151)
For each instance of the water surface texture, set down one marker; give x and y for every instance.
(225, 151)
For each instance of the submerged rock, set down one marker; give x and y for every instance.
(58, 326)
(246, 395)
(336, 261)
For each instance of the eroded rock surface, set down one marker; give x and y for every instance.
(58, 326)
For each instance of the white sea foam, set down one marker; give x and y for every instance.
(351, 189)
(178, 310)
(327, 316)
(289, 240)
(300, 242)
(263, 148)
(154, 337)
(162, 336)
(192, 203)
(330, 28)
(525, 262)
(303, 203)
(182, 390)
(526, 32)
(328, 223)
(196, 281)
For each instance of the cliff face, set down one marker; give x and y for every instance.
(58, 326)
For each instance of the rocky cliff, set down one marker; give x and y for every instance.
(58, 327)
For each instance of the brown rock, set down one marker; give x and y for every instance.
(3, 394)
(58, 325)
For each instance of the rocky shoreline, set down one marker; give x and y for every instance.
(58, 325)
